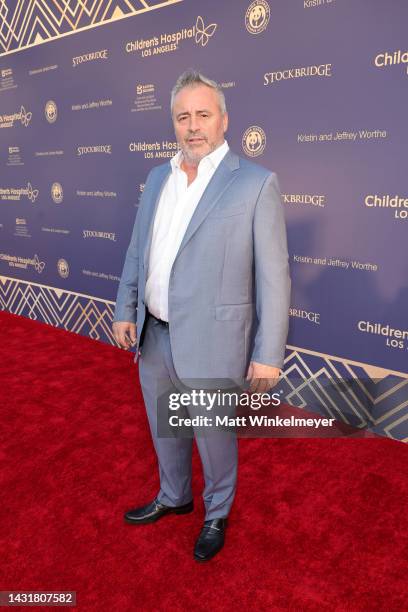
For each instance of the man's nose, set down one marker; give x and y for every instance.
(194, 124)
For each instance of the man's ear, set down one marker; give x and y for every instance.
(225, 121)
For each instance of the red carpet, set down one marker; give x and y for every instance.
(316, 525)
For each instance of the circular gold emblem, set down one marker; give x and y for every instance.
(257, 16)
(254, 141)
(57, 193)
(51, 111)
(63, 268)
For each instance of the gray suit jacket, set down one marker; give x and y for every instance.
(229, 286)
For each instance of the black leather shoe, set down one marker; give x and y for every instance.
(154, 511)
(211, 539)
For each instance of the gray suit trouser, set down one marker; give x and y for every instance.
(218, 451)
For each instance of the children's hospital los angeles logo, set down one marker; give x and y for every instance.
(8, 120)
(16, 193)
(166, 42)
(17, 261)
(257, 16)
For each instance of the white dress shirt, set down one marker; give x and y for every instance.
(177, 204)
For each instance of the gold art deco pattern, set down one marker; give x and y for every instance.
(24, 23)
(85, 315)
(351, 393)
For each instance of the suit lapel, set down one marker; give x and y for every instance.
(154, 197)
(220, 181)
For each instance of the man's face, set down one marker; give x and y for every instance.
(198, 122)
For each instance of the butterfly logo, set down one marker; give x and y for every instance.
(203, 34)
(25, 117)
(38, 265)
(32, 193)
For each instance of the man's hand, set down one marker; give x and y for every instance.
(262, 377)
(124, 333)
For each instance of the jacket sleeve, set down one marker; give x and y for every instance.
(272, 280)
(126, 299)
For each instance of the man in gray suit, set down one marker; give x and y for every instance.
(204, 294)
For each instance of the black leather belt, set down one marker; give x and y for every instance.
(164, 323)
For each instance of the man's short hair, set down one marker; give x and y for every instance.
(192, 78)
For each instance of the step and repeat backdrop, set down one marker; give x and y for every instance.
(317, 90)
